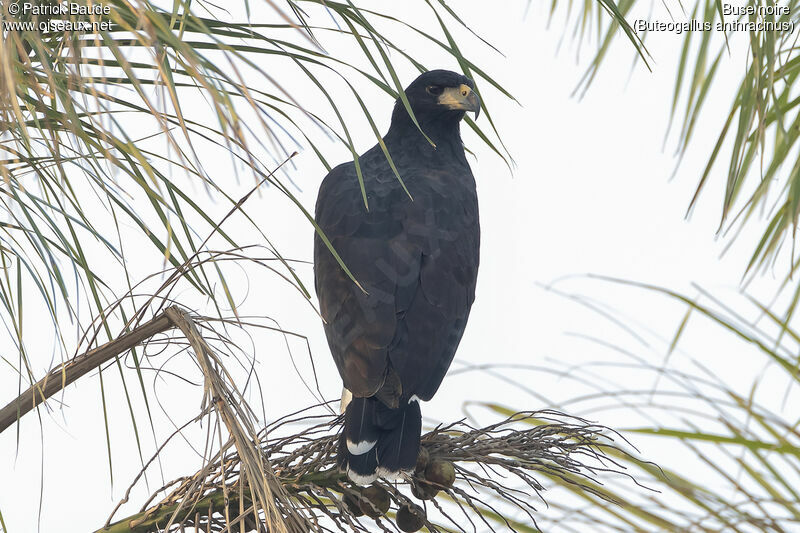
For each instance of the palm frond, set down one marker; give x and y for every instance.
(734, 455)
(96, 137)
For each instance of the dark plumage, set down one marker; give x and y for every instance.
(416, 259)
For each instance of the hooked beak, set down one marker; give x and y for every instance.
(461, 98)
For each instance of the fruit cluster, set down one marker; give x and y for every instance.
(430, 476)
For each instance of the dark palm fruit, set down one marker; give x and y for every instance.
(423, 490)
(410, 518)
(351, 502)
(374, 501)
(441, 473)
(422, 460)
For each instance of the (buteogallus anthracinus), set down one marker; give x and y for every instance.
(417, 260)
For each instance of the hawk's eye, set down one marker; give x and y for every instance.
(435, 90)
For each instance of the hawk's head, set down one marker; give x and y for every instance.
(442, 93)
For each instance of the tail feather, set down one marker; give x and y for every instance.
(378, 440)
(360, 432)
(399, 450)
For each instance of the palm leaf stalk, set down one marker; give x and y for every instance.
(565, 448)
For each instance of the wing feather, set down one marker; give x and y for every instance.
(417, 261)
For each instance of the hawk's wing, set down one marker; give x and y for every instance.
(417, 261)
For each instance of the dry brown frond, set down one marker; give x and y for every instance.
(496, 476)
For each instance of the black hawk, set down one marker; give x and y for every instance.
(415, 254)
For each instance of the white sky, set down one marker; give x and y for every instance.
(591, 193)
